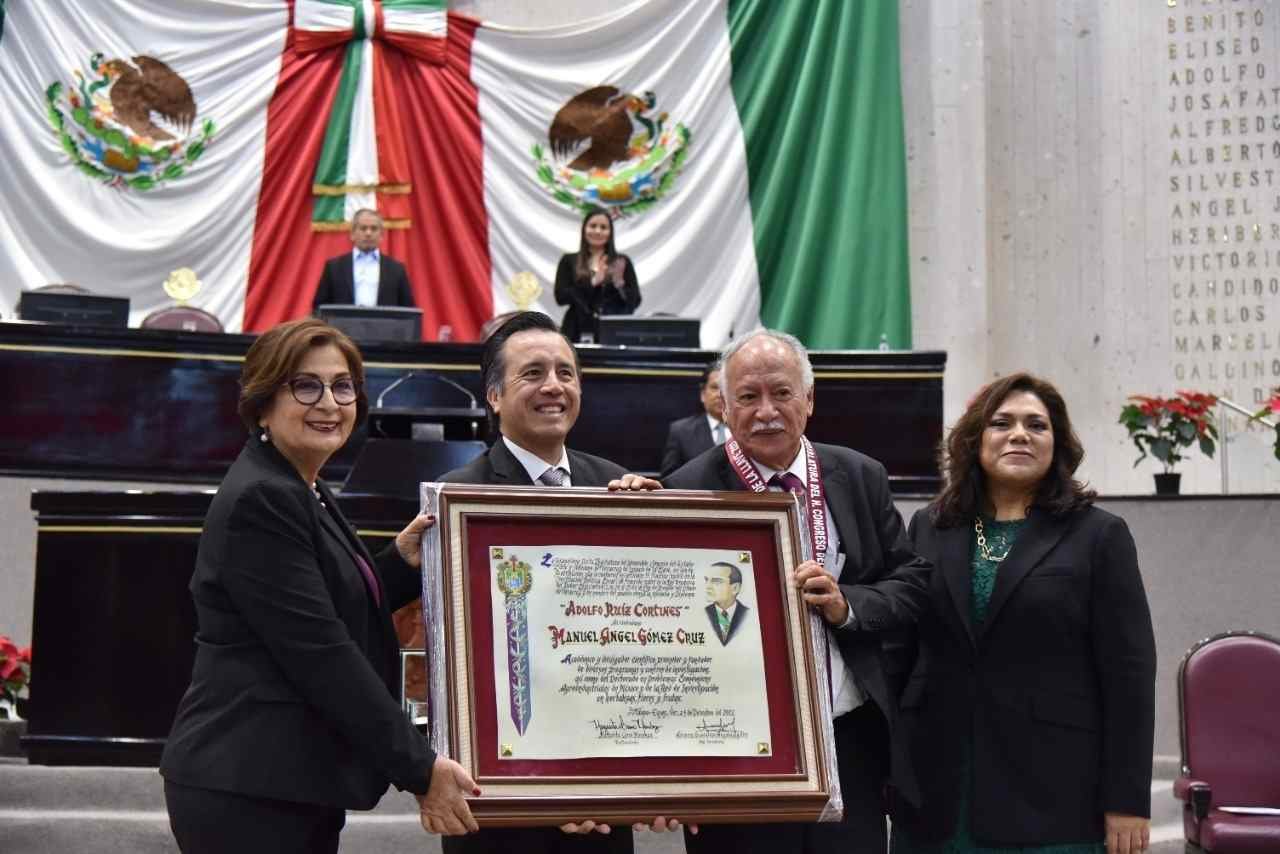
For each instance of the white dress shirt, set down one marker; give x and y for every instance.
(365, 270)
(713, 424)
(846, 694)
(535, 465)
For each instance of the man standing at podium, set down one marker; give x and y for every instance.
(364, 276)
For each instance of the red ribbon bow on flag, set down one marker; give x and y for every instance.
(363, 163)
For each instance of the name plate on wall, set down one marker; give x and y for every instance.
(1220, 85)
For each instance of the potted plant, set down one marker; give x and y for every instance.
(15, 673)
(1271, 409)
(1162, 427)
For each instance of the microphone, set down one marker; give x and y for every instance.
(438, 432)
(377, 404)
(471, 398)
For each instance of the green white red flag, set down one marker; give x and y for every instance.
(752, 151)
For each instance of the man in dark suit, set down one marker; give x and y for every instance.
(531, 383)
(726, 613)
(688, 437)
(364, 276)
(864, 580)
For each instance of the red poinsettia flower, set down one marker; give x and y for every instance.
(1161, 427)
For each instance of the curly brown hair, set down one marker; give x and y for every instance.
(274, 357)
(965, 493)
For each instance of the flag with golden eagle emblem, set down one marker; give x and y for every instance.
(750, 151)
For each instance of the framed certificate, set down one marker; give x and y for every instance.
(618, 656)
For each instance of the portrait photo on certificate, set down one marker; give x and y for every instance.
(629, 651)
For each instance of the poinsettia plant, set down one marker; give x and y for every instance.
(15, 671)
(1272, 410)
(1162, 426)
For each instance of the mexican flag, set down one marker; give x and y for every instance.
(751, 152)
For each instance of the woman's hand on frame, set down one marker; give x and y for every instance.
(443, 809)
(409, 541)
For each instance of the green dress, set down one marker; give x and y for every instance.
(1000, 538)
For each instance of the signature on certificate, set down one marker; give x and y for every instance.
(626, 727)
(723, 725)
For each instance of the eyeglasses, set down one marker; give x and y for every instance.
(308, 390)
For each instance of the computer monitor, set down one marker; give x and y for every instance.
(76, 309)
(629, 331)
(374, 323)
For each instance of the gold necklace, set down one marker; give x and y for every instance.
(982, 543)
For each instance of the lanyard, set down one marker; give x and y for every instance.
(815, 496)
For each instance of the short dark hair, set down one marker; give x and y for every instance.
(707, 372)
(493, 361)
(274, 358)
(735, 574)
(965, 494)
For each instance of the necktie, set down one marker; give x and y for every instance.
(788, 482)
(718, 435)
(370, 579)
(554, 476)
(723, 617)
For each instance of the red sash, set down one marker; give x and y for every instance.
(816, 500)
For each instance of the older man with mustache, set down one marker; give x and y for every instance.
(864, 579)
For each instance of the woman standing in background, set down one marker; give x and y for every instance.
(595, 280)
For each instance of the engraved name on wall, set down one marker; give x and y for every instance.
(1222, 93)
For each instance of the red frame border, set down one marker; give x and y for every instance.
(483, 530)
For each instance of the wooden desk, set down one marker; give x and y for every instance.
(142, 404)
(113, 621)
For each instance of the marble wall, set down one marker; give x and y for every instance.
(1052, 225)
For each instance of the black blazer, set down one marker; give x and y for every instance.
(686, 438)
(738, 616)
(293, 692)
(338, 284)
(499, 466)
(1055, 691)
(587, 302)
(883, 579)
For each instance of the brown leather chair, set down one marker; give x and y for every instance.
(184, 318)
(1229, 714)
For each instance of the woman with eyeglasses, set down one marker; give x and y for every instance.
(291, 717)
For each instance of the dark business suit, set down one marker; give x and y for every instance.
(498, 466)
(587, 301)
(293, 691)
(1054, 691)
(686, 438)
(886, 586)
(739, 615)
(338, 284)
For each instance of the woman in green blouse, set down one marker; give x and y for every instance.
(1029, 715)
